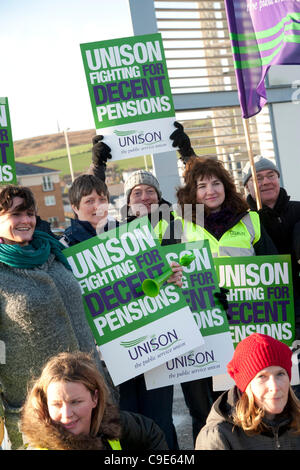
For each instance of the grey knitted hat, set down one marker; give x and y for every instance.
(141, 177)
(260, 164)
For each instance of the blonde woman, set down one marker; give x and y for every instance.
(68, 408)
(261, 412)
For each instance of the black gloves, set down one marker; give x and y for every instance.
(222, 297)
(182, 141)
(100, 151)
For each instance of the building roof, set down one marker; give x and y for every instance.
(23, 169)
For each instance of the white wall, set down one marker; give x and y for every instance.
(287, 127)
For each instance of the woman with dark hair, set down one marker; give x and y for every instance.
(89, 199)
(68, 408)
(212, 209)
(261, 412)
(232, 230)
(41, 309)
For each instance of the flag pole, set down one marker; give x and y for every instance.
(251, 159)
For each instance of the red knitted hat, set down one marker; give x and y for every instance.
(254, 353)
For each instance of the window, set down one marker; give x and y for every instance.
(50, 201)
(47, 183)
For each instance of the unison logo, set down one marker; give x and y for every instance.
(200, 359)
(128, 138)
(142, 346)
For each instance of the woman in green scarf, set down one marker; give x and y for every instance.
(41, 310)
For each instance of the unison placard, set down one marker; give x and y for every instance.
(260, 296)
(130, 94)
(7, 157)
(199, 285)
(135, 332)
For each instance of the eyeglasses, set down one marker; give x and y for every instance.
(269, 177)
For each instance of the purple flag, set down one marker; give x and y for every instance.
(262, 33)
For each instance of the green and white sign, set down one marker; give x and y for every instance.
(200, 283)
(135, 332)
(260, 301)
(260, 296)
(7, 157)
(130, 94)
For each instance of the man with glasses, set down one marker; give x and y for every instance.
(279, 215)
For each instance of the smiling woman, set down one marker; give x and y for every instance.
(231, 230)
(261, 412)
(17, 218)
(38, 294)
(68, 408)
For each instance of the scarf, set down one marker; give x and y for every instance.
(218, 223)
(34, 254)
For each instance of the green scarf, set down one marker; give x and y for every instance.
(34, 254)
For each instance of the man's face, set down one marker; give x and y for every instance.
(269, 187)
(142, 199)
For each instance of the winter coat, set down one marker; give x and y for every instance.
(81, 230)
(41, 314)
(134, 431)
(220, 433)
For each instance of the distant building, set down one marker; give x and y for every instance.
(45, 185)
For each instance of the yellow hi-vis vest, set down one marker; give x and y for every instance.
(160, 229)
(115, 444)
(237, 241)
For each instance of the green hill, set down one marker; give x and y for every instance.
(57, 159)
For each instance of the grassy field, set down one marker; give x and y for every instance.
(81, 158)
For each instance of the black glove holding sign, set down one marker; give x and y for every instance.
(222, 297)
(100, 154)
(182, 141)
(100, 151)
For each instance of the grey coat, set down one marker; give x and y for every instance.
(219, 433)
(41, 314)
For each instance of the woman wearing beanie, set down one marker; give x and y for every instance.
(261, 411)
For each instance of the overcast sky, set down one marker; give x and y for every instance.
(42, 73)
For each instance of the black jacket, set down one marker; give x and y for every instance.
(44, 226)
(81, 230)
(280, 223)
(140, 433)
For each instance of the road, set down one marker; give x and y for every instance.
(182, 420)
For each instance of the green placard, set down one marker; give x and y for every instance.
(110, 269)
(200, 282)
(135, 332)
(7, 157)
(260, 296)
(127, 80)
(199, 285)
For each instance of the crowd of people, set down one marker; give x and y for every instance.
(73, 404)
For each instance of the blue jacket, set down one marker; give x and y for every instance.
(81, 230)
